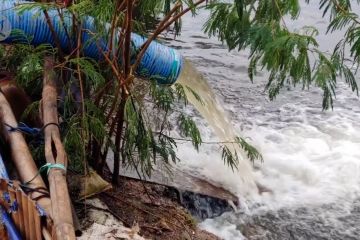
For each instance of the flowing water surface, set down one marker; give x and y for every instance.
(311, 157)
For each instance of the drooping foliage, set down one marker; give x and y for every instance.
(105, 108)
(291, 57)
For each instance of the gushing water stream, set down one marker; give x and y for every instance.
(217, 118)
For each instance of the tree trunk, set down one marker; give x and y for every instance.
(119, 131)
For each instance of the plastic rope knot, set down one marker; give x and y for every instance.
(50, 166)
(47, 167)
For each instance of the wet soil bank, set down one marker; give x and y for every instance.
(151, 210)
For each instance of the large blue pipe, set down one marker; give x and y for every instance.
(160, 62)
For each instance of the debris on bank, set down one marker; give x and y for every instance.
(101, 224)
(159, 215)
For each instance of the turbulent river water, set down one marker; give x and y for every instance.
(311, 157)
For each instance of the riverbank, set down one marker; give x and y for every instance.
(138, 209)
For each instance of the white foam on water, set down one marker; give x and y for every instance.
(224, 230)
(311, 158)
(305, 166)
(303, 162)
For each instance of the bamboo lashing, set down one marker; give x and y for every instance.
(21, 156)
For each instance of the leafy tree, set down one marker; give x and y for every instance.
(290, 57)
(108, 109)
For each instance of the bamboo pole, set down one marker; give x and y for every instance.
(21, 156)
(55, 154)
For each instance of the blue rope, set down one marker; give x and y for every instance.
(34, 132)
(23, 128)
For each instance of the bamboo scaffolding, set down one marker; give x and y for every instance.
(55, 154)
(21, 156)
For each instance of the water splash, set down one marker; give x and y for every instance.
(218, 120)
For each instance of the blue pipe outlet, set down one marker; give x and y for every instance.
(160, 62)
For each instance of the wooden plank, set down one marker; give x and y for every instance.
(37, 221)
(20, 212)
(32, 233)
(24, 204)
(3, 233)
